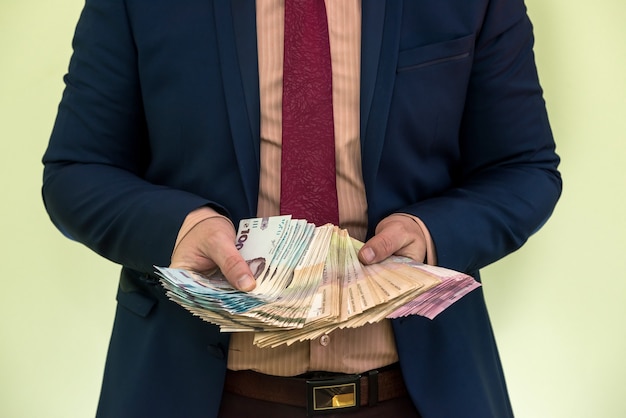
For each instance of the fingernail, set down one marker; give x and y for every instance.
(368, 254)
(246, 283)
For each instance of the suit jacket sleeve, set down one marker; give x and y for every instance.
(105, 182)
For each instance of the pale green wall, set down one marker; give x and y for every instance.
(558, 306)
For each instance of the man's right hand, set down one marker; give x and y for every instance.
(210, 243)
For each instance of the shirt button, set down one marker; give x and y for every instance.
(324, 340)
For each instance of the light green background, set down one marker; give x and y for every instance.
(558, 305)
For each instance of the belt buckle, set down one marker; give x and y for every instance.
(336, 394)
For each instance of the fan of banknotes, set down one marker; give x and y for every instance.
(310, 282)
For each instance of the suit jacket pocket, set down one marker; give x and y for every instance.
(435, 54)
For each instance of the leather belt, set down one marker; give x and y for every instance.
(340, 390)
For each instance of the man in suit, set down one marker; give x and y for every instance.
(164, 140)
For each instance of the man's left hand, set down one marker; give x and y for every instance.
(397, 234)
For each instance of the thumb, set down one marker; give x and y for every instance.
(236, 270)
(377, 248)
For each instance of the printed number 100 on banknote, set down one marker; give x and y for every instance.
(258, 239)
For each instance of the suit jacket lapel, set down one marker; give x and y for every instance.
(373, 15)
(244, 23)
(236, 32)
(381, 22)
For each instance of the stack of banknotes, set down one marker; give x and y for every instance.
(310, 282)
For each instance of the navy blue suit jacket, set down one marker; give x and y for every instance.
(161, 116)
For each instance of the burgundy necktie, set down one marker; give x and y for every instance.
(308, 183)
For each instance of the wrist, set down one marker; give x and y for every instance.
(431, 255)
(194, 218)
